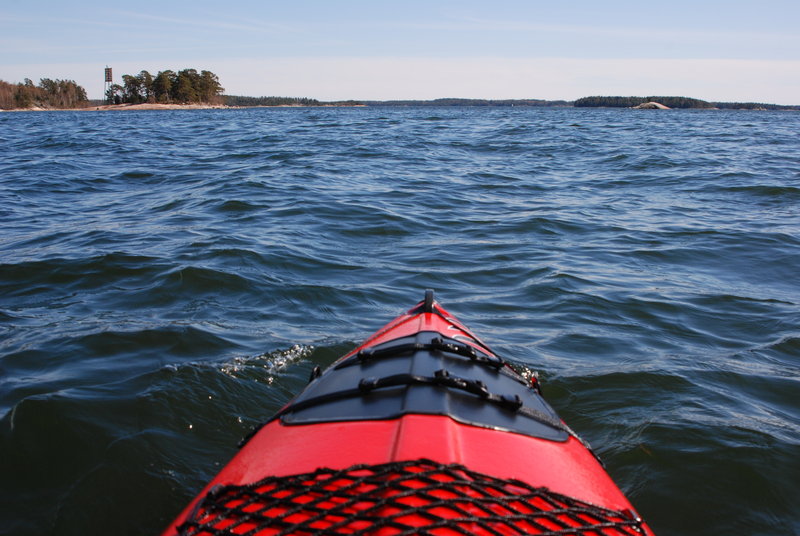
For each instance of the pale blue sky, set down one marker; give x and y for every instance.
(383, 50)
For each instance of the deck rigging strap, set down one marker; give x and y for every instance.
(400, 498)
(441, 378)
(437, 344)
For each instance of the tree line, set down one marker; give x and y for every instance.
(182, 87)
(237, 100)
(753, 106)
(470, 102)
(48, 94)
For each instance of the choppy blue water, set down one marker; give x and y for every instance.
(168, 279)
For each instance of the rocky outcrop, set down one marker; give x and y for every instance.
(651, 106)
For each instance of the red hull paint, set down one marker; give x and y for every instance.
(566, 468)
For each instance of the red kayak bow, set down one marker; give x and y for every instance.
(420, 430)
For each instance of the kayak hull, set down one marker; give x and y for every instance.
(538, 456)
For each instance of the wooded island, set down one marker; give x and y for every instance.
(48, 94)
(167, 87)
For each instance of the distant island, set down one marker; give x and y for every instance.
(592, 102)
(190, 88)
(674, 102)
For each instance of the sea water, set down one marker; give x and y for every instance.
(168, 279)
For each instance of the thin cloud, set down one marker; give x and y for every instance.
(475, 24)
(213, 24)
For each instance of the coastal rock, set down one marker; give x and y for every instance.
(651, 106)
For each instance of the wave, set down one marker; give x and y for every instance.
(644, 265)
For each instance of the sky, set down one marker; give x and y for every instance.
(379, 50)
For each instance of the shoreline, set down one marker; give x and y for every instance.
(151, 106)
(114, 107)
(154, 106)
